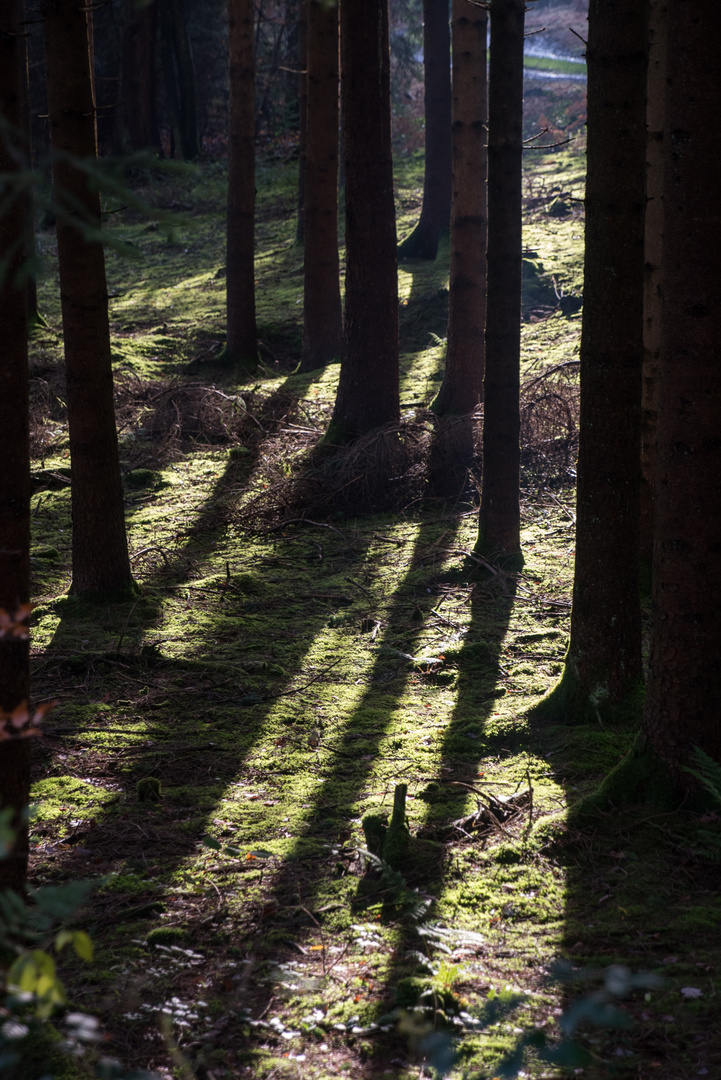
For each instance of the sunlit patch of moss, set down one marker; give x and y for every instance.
(63, 799)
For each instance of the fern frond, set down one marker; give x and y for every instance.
(707, 771)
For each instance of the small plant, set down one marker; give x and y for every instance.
(708, 773)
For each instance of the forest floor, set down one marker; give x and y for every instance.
(281, 672)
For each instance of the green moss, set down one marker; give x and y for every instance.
(148, 790)
(396, 841)
(638, 778)
(166, 935)
(568, 702)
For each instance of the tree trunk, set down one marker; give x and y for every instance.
(31, 253)
(603, 666)
(368, 390)
(322, 311)
(435, 212)
(302, 116)
(652, 309)
(179, 77)
(500, 516)
(186, 84)
(139, 119)
(100, 552)
(462, 386)
(14, 433)
(682, 696)
(242, 344)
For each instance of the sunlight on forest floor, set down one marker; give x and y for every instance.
(280, 681)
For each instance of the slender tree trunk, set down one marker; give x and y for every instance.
(31, 256)
(100, 551)
(14, 435)
(652, 308)
(368, 390)
(242, 343)
(603, 666)
(322, 311)
(186, 83)
(433, 223)
(139, 119)
(462, 386)
(682, 707)
(500, 516)
(179, 77)
(302, 116)
(170, 78)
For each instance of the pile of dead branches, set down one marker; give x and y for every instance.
(383, 470)
(549, 426)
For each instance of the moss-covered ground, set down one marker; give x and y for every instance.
(279, 682)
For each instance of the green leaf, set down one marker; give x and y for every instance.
(212, 843)
(83, 945)
(62, 938)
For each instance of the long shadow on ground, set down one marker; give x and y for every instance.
(270, 926)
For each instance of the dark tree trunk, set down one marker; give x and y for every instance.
(179, 75)
(302, 116)
(435, 212)
(100, 551)
(322, 311)
(682, 707)
(242, 342)
(652, 309)
(31, 255)
(499, 533)
(14, 434)
(368, 390)
(138, 92)
(462, 386)
(603, 666)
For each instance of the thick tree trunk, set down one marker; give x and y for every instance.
(462, 386)
(603, 667)
(368, 390)
(14, 435)
(139, 121)
(433, 223)
(242, 343)
(682, 696)
(100, 551)
(500, 516)
(653, 241)
(322, 310)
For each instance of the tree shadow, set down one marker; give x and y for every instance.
(344, 769)
(467, 740)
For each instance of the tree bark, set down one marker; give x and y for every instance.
(462, 386)
(100, 551)
(179, 77)
(14, 432)
(433, 223)
(682, 695)
(500, 516)
(368, 389)
(603, 673)
(139, 121)
(322, 310)
(653, 243)
(302, 116)
(242, 342)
